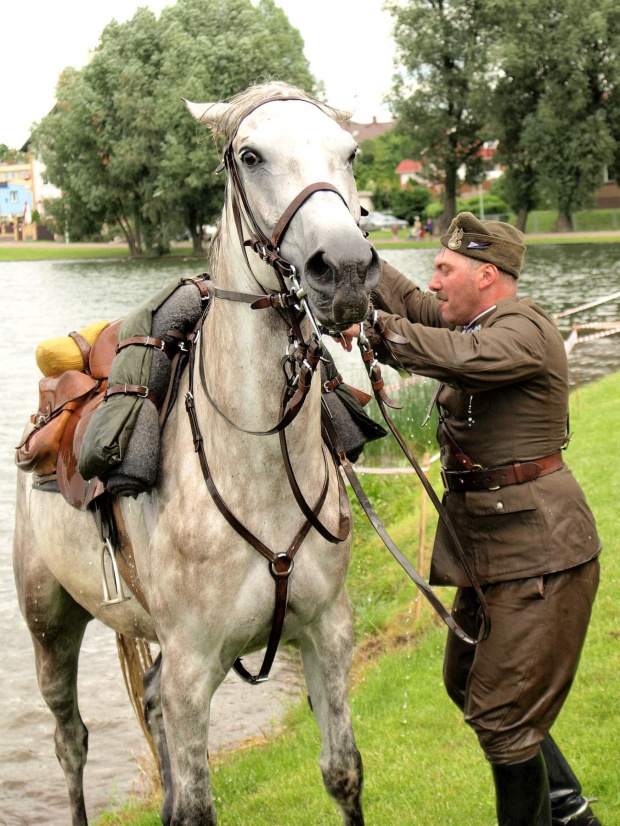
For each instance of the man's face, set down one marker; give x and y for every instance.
(455, 284)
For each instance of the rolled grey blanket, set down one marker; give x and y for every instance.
(138, 470)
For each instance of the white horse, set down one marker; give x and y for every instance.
(210, 594)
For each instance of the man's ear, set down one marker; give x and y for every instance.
(487, 275)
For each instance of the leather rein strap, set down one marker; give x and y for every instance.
(383, 401)
(280, 564)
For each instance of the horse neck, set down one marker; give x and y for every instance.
(243, 355)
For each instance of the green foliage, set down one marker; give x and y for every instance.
(491, 203)
(403, 203)
(120, 142)
(443, 94)
(541, 76)
(375, 165)
(554, 102)
(8, 155)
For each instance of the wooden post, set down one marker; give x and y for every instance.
(426, 463)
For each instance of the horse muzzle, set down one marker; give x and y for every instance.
(339, 280)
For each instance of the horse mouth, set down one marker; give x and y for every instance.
(340, 296)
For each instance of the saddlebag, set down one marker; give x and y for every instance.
(59, 396)
(121, 443)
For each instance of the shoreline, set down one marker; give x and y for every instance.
(11, 251)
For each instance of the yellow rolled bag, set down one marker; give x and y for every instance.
(57, 355)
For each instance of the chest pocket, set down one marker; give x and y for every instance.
(461, 405)
(506, 531)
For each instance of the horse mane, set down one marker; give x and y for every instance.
(243, 103)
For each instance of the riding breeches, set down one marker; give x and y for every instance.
(512, 686)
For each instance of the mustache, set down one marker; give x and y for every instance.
(441, 296)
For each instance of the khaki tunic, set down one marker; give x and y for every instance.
(504, 400)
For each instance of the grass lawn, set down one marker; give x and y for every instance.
(422, 764)
(74, 251)
(381, 239)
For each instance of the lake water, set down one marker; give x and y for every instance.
(47, 299)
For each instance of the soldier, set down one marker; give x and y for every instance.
(521, 517)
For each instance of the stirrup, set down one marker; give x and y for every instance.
(118, 582)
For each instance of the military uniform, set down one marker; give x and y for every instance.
(503, 402)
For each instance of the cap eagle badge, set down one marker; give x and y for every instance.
(456, 239)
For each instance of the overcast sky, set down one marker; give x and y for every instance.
(348, 45)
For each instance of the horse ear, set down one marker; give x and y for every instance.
(209, 113)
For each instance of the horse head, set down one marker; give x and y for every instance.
(280, 142)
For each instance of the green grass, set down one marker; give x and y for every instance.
(66, 251)
(381, 239)
(422, 764)
(61, 252)
(587, 220)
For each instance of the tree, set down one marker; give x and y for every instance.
(120, 143)
(375, 165)
(211, 51)
(559, 76)
(443, 93)
(403, 203)
(8, 155)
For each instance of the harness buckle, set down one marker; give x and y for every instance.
(150, 339)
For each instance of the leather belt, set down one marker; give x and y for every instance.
(499, 477)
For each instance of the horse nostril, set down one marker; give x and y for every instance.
(317, 267)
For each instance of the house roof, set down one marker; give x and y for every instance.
(363, 131)
(408, 166)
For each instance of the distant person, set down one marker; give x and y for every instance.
(429, 226)
(395, 230)
(522, 518)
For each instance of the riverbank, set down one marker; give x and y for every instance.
(54, 251)
(422, 764)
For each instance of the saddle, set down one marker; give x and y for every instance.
(51, 440)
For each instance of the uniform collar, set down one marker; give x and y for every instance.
(475, 324)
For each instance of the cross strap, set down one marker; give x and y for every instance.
(280, 564)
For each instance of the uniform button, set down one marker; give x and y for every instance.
(500, 506)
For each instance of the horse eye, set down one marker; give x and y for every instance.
(353, 155)
(250, 159)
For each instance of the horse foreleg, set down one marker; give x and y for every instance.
(57, 625)
(188, 682)
(155, 723)
(326, 653)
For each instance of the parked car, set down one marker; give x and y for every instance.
(380, 220)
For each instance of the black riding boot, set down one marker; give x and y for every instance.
(568, 806)
(522, 793)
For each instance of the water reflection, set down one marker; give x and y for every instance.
(47, 299)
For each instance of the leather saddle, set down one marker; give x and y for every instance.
(52, 438)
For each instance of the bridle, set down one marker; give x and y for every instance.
(299, 365)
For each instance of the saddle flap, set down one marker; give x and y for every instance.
(78, 492)
(56, 391)
(103, 350)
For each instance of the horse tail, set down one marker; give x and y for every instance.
(135, 658)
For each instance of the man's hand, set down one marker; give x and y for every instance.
(345, 338)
